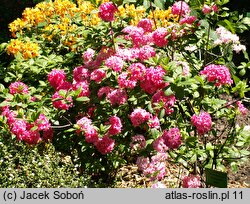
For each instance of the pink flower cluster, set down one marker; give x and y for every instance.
(26, 131)
(191, 181)
(208, 9)
(180, 8)
(85, 126)
(202, 122)
(153, 80)
(159, 37)
(105, 144)
(117, 97)
(107, 11)
(18, 88)
(115, 63)
(226, 37)
(61, 101)
(243, 110)
(168, 101)
(172, 138)
(116, 125)
(217, 73)
(139, 116)
(138, 142)
(154, 169)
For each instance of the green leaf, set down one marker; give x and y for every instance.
(83, 99)
(246, 21)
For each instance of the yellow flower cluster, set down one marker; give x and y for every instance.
(59, 18)
(27, 49)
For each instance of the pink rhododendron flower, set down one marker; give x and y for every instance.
(146, 52)
(117, 97)
(98, 75)
(105, 145)
(56, 77)
(188, 20)
(154, 122)
(19, 127)
(107, 11)
(225, 36)
(116, 125)
(238, 48)
(42, 122)
(206, 9)
(31, 137)
(159, 37)
(158, 185)
(146, 24)
(90, 133)
(64, 86)
(88, 55)
(62, 102)
(138, 142)
(217, 73)
(172, 138)
(180, 8)
(84, 86)
(80, 74)
(136, 34)
(202, 122)
(104, 90)
(139, 116)
(154, 169)
(243, 110)
(18, 88)
(168, 101)
(191, 181)
(215, 8)
(159, 145)
(115, 63)
(153, 79)
(137, 71)
(125, 81)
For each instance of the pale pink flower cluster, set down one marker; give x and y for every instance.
(61, 101)
(18, 88)
(88, 55)
(138, 142)
(117, 97)
(115, 63)
(202, 122)
(168, 101)
(191, 181)
(153, 80)
(107, 11)
(217, 73)
(116, 125)
(172, 138)
(243, 110)
(226, 37)
(158, 185)
(180, 8)
(139, 116)
(154, 169)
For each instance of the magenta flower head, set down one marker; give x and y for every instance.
(202, 122)
(180, 8)
(19, 88)
(217, 73)
(107, 11)
(172, 138)
(56, 77)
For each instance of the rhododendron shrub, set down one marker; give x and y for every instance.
(146, 94)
